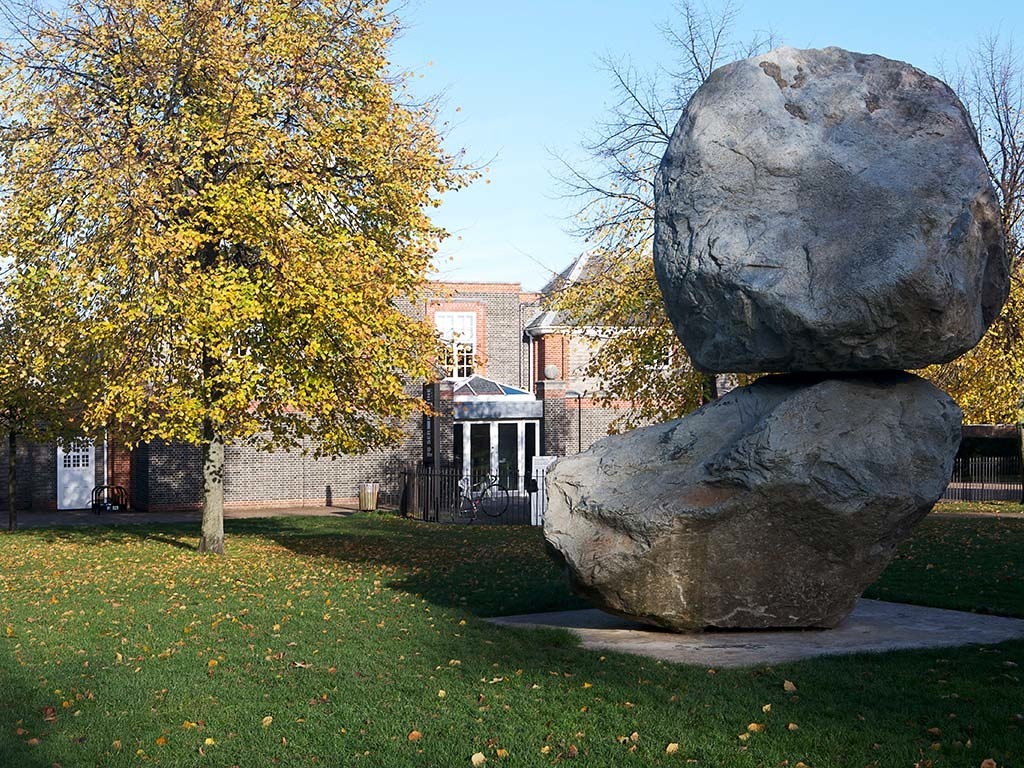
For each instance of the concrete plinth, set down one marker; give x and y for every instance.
(872, 627)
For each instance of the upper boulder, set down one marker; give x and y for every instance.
(821, 210)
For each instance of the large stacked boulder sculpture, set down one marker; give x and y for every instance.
(827, 211)
(828, 215)
(774, 506)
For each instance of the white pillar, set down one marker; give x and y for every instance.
(520, 454)
(494, 448)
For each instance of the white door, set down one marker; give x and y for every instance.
(75, 476)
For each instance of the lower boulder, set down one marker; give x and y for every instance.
(774, 506)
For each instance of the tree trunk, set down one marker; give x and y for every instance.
(212, 539)
(12, 479)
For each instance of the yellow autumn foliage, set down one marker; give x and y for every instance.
(234, 199)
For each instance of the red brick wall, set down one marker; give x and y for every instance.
(552, 349)
(119, 465)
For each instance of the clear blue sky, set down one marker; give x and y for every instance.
(526, 80)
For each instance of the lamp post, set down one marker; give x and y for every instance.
(579, 418)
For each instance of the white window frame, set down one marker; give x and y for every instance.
(458, 332)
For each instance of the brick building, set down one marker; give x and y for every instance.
(511, 391)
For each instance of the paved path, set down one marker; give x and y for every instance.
(874, 626)
(86, 517)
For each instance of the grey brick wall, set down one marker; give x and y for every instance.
(41, 476)
(595, 422)
(175, 476)
(140, 477)
(253, 477)
(25, 468)
(555, 429)
(37, 475)
(506, 349)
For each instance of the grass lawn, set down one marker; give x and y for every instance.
(359, 641)
(1007, 508)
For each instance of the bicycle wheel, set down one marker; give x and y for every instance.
(494, 500)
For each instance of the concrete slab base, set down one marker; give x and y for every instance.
(873, 626)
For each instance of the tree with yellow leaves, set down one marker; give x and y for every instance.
(988, 381)
(237, 192)
(40, 385)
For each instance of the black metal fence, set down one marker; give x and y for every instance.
(986, 478)
(446, 496)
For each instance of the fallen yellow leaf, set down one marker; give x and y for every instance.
(441, 694)
(267, 721)
(788, 686)
(672, 748)
(478, 759)
(209, 741)
(755, 727)
(502, 753)
(414, 736)
(766, 708)
(792, 726)
(161, 741)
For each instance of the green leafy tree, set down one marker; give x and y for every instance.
(237, 193)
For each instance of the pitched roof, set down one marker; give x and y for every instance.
(478, 386)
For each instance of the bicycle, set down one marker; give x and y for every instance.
(485, 495)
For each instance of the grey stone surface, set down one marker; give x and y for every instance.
(774, 506)
(872, 627)
(821, 210)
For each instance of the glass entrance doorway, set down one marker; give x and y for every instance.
(501, 449)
